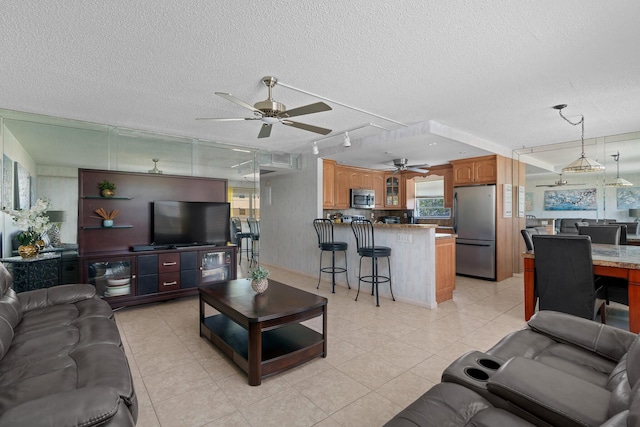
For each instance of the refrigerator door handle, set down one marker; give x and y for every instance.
(473, 244)
(455, 212)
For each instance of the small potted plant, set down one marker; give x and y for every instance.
(259, 281)
(107, 189)
(107, 216)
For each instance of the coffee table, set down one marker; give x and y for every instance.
(261, 333)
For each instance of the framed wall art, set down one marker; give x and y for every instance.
(7, 182)
(570, 200)
(628, 198)
(23, 187)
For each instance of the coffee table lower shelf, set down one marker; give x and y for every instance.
(282, 348)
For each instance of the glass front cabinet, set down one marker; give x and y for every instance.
(112, 277)
(216, 266)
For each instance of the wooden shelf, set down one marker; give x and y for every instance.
(107, 198)
(99, 227)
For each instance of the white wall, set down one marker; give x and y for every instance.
(60, 186)
(287, 236)
(607, 205)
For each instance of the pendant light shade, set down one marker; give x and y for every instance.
(619, 182)
(583, 164)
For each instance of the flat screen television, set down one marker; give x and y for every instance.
(191, 223)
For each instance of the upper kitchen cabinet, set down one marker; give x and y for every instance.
(328, 184)
(394, 191)
(342, 177)
(478, 170)
(377, 180)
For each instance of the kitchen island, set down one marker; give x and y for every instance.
(422, 262)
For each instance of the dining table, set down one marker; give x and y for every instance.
(622, 261)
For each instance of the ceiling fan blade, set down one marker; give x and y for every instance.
(306, 109)
(265, 130)
(238, 101)
(305, 126)
(412, 169)
(228, 119)
(395, 171)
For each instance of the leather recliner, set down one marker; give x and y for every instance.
(560, 370)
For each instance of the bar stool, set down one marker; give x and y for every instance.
(365, 242)
(254, 231)
(324, 230)
(236, 230)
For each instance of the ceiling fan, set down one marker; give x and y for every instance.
(401, 165)
(559, 183)
(270, 112)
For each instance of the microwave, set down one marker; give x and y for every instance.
(363, 199)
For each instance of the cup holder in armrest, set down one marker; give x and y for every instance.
(476, 374)
(489, 364)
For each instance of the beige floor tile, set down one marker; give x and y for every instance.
(370, 370)
(147, 417)
(165, 385)
(232, 420)
(370, 411)
(306, 370)
(431, 369)
(287, 408)
(401, 354)
(340, 351)
(219, 367)
(405, 388)
(241, 394)
(163, 360)
(195, 407)
(331, 390)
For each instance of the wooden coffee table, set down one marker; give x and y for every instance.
(261, 333)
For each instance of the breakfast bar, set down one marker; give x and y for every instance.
(422, 261)
(622, 261)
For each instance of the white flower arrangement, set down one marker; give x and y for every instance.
(32, 221)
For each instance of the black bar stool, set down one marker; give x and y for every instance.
(365, 241)
(254, 231)
(324, 230)
(236, 231)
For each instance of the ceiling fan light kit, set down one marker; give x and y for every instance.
(583, 164)
(401, 166)
(155, 167)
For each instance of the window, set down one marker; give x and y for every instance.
(430, 198)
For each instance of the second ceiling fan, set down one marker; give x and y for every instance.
(559, 183)
(271, 112)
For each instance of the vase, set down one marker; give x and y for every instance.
(107, 193)
(260, 285)
(107, 223)
(28, 251)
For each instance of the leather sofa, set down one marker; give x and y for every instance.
(61, 359)
(568, 225)
(560, 370)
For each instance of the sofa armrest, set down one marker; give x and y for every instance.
(552, 395)
(603, 340)
(88, 406)
(62, 294)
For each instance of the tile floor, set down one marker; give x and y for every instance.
(379, 359)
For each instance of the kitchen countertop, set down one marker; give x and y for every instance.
(382, 225)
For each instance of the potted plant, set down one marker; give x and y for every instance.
(107, 189)
(259, 281)
(106, 216)
(34, 223)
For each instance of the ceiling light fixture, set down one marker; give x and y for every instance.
(155, 167)
(619, 182)
(240, 150)
(314, 149)
(347, 140)
(583, 164)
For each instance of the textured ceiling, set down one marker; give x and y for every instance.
(489, 71)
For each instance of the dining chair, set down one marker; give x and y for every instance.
(254, 231)
(238, 236)
(605, 234)
(526, 235)
(564, 275)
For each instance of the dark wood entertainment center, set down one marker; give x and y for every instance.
(125, 277)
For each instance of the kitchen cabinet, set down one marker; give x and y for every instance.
(377, 184)
(478, 170)
(360, 179)
(328, 184)
(445, 268)
(394, 191)
(342, 195)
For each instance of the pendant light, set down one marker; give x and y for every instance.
(619, 182)
(583, 164)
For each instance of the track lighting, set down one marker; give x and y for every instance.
(347, 140)
(315, 150)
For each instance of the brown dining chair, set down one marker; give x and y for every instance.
(605, 234)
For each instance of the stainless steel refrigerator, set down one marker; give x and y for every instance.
(474, 221)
